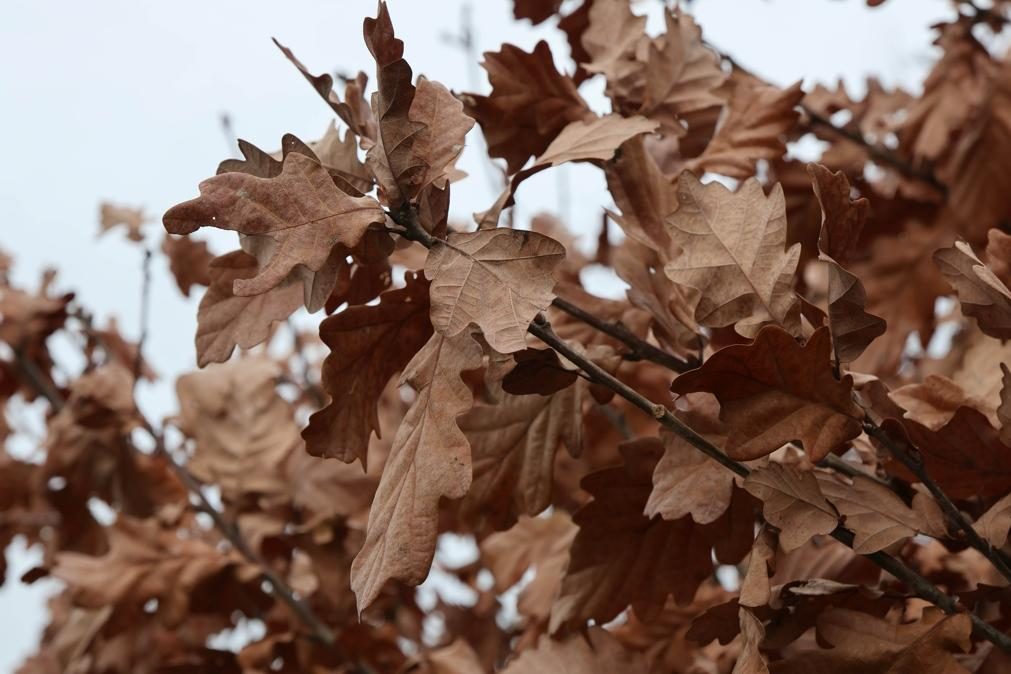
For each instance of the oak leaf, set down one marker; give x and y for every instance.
(793, 502)
(982, 295)
(513, 445)
(774, 391)
(115, 215)
(757, 122)
(872, 511)
(301, 210)
(751, 661)
(189, 261)
(966, 456)
(146, 562)
(243, 429)
(368, 345)
(842, 221)
(994, 524)
(530, 103)
(732, 253)
(596, 652)
(862, 642)
(497, 279)
(686, 481)
(538, 543)
(620, 556)
(226, 320)
(429, 460)
(934, 401)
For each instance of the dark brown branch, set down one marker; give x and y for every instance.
(954, 516)
(640, 349)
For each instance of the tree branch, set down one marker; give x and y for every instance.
(407, 219)
(640, 348)
(952, 513)
(278, 587)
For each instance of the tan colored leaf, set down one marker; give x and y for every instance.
(353, 110)
(429, 460)
(513, 444)
(751, 661)
(497, 279)
(865, 643)
(130, 219)
(225, 320)
(620, 556)
(529, 104)
(733, 255)
(872, 511)
(793, 502)
(982, 294)
(440, 141)
(368, 345)
(994, 524)
(756, 589)
(755, 127)
(596, 652)
(686, 481)
(774, 391)
(243, 430)
(340, 157)
(457, 658)
(934, 401)
(538, 543)
(300, 210)
(594, 139)
(145, 562)
(998, 254)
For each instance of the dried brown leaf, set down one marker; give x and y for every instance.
(793, 502)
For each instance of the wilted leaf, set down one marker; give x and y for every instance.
(686, 481)
(513, 445)
(750, 661)
(496, 279)
(774, 391)
(368, 345)
(529, 104)
(430, 459)
(130, 219)
(598, 652)
(300, 210)
(982, 294)
(538, 543)
(755, 127)
(145, 562)
(872, 511)
(732, 245)
(226, 320)
(793, 502)
(189, 261)
(622, 557)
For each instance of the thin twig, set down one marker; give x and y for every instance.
(640, 348)
(145, 311)
(278, 587)
(881, 154)
(915, 465)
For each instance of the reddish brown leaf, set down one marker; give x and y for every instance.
(368, 345)
(775, 391)
(982, 294)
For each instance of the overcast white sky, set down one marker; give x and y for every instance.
(121, 100)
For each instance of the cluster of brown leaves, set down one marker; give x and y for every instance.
(776, 318)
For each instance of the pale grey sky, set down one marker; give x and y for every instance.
(121, 100)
